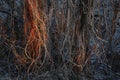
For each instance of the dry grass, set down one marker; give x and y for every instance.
(58, 40)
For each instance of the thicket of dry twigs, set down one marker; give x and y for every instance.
(60, 39)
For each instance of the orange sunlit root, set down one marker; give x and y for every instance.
(34, 28)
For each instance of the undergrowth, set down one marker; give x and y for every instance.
(59, 40)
